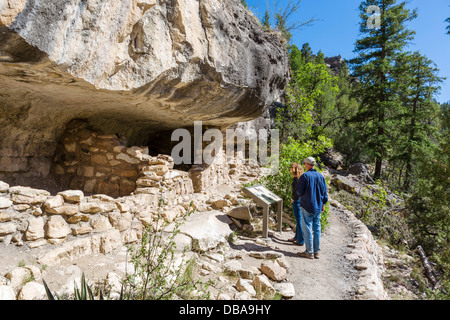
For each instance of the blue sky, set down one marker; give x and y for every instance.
(337, 29)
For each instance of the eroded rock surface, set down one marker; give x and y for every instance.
(130, 68)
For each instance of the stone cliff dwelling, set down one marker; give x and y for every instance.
(90, 92)
(190, 68)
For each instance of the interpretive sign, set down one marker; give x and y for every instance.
(265, 198)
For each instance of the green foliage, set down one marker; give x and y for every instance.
(429, 200)
(281, 182)
(385, 217)
(84, 293)
(282, 18)
(266, 21)
(318, 103)
(305, 108)
(388, 117)
(374, 66)
(159, 272)
(417, 116)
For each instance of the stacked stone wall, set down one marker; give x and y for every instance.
(34, 217)
(97, 163)
(107, 187)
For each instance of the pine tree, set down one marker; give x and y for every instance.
(418, 79)
(374, 67)
(448, 27)
(429, 201)
(266, 21)
(307, 53)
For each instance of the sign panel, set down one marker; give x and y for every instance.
(263, 194)
(264, 197)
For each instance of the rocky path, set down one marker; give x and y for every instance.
(332, 277)
(347, 269)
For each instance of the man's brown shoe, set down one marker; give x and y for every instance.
(306, 255)
(316, 255)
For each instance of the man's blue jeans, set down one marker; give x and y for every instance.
(311, 230)
(298, 229)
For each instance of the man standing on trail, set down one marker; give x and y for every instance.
(312, 190)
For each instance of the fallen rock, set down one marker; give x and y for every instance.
(332, 158)
(32, 291)
(285, 289)
(245, 285)
(207, 229)
(241, 213)
(270, 254)
(263, 285)
(273, 270)
(7, 293)
(17, 277)
(235, 268)
(220, 204)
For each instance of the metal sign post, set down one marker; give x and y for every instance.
(265, 198)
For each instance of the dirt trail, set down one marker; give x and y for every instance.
(331, 277)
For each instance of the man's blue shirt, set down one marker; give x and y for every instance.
(312, 190)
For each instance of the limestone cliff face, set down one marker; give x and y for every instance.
(129, 67)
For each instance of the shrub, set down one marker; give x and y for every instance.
(160, 272)
(281, 182)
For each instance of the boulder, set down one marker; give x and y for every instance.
(17, 276)
(32, 291)
(285, 289)
(333, 159)
(207, 229)
(241, 213)
(220, 203)
(7, 293)
(263, 285)
(245, 285)
(273, 270)
(361, 171)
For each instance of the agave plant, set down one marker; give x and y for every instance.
(85, 293)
